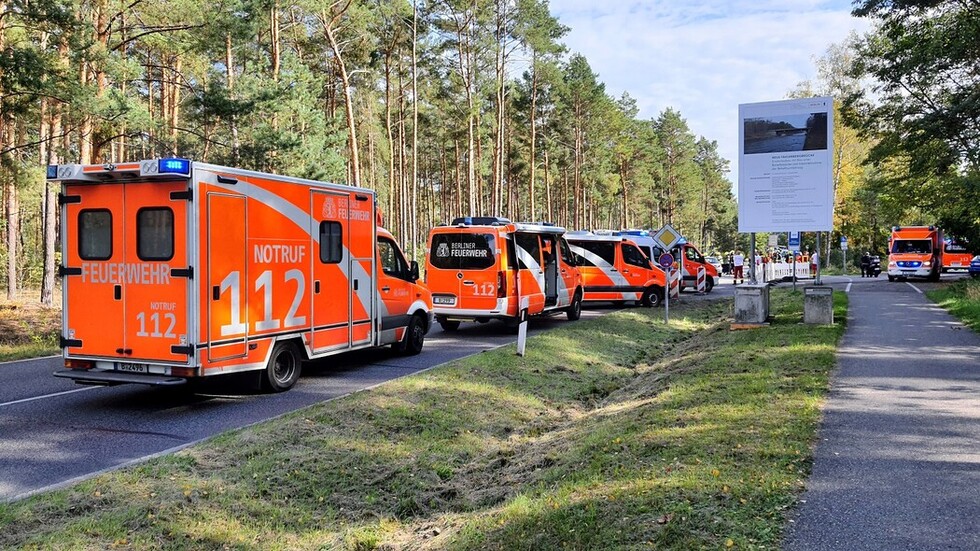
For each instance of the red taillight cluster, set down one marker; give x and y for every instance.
(79, 364)
(501, 284)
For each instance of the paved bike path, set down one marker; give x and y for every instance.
(897, 463)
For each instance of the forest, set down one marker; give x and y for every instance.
(457, 107)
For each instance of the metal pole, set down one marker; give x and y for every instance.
(752, 259)
(794, 270)
(667, 297)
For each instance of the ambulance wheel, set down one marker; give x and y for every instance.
(414, 338)
(284, 367)
(653, 296)
(709, 284)
(891, 278)
(574, 311)
(448, 325)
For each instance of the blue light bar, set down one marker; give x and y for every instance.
(174, 166)
(52, 172)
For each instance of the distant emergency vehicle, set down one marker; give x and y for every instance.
(956, 257)
(176, 270)
(615, 269)
(483, 268)
(915, 251)
(687, 258)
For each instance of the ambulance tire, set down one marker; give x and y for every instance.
(414, 339)
(709, 284)
(574, 311)
(448, 325)
(891, 278)
(653, 296)
(283, 370)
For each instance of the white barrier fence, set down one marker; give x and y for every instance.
(780, 271)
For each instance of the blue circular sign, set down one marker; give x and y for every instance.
(666, 260)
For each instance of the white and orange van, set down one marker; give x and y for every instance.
(176, 270)
(686, 257)
(615, 269)
(956, 257)
(483, 268)
(915, 251)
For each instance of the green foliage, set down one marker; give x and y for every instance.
(962, 299)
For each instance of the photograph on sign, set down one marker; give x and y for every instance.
(785, 165)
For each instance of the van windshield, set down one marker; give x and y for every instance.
(912, 246)
(462, 251)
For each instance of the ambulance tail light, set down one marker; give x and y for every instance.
(501, 284)
(183, 371)
(79, 364)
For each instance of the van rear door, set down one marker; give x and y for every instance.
(470, 260)
(127, 272)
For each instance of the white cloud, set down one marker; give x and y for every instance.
(703, 58)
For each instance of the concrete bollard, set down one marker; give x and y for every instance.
(751, 304)
(818, 305)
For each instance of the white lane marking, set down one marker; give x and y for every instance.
(849, 283)
(917, 290)
(24, 400)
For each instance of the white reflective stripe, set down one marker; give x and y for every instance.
(607, 268)
(532, 264)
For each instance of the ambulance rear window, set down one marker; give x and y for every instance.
(463, 251)
(95, 234)
(155, 233)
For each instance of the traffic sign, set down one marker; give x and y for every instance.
(666, 260)
(794, 241)
(843, 243)
(667, 237)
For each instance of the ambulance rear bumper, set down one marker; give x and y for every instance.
(109, 378)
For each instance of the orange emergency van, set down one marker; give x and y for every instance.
(956, 257)
(615, 269)
(483, 268)
(687, 258)
(915, 251)
(176, 270)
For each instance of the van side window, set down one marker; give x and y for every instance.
(693, 255)
(392, 261)
(633, 256)
(463, 251)
(529, 242)
(605, 250)
(95, 234)
(331, 242)
(155, 233)
(566, 254)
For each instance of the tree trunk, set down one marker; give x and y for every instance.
(230, 82)
(51, 211)
(328, 29)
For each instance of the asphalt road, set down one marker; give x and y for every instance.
(53, 432)
(897, 463)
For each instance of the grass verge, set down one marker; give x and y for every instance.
(962, 299)
(613, 433)
(27, 329)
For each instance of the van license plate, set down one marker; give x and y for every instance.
(449, 301)
(132, 368)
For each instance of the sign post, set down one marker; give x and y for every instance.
(843, 247)
(794, 247)
(666, 261)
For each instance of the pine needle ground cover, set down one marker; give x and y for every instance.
(612, 433)
(27, 329)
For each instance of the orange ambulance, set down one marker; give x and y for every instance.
(956, 257)
(615, 269)
(687, 258)
(915, 251)
(483, 268)
(177, 270)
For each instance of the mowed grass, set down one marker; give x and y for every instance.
(612, 433)
(962, 299)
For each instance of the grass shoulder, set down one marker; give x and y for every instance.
(27, 329)
(962, 299)
(619, 432)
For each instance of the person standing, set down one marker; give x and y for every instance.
(738, 264)
(866, 264)
(814, 262)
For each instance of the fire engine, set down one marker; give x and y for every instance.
(176, 270)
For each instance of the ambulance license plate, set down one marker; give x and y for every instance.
(131, 368)
(449, 301)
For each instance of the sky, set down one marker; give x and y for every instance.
(705, 57)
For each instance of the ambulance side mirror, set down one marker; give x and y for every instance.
(413, 270)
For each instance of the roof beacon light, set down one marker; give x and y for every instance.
(175, 166)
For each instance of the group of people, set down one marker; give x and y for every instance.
(735, 262)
